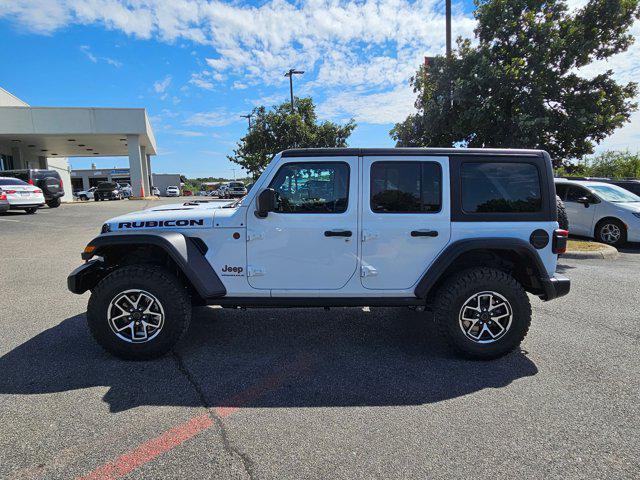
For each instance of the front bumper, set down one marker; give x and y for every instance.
(85, 276)
(556, 286)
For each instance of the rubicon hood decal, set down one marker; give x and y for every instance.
(191, 222)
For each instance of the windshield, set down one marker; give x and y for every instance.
(613, 193)
(236, 184)
(12, 181)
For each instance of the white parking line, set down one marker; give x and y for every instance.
(8, 220)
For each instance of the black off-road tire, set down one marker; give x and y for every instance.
(54, 203)
(159, 282)
(563, 219)
(463, 285)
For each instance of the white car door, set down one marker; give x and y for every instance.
(405, 218)
(580, 215)
(310, 242)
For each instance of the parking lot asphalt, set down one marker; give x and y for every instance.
(289, 393)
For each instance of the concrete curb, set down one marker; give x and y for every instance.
(606, 253)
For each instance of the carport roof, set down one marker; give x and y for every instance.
(75, 132)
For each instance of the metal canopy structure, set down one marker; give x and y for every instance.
(29, 136)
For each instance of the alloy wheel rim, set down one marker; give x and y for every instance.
(135, 316)
(610, 233)
(485, 317)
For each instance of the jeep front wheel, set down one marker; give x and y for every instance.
(139, 312)
(482, 313)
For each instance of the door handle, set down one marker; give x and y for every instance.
(424, 233)
(338, 233)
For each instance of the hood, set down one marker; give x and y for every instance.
(179, 216)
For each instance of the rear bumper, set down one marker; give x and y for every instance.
(85, 276)
(556, 286)
(53, 196)
(20, 205)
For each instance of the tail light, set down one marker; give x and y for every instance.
(3, 196)
(60, 183)
(9, 192)
(560, 241)
(37, 191)
(30, 182)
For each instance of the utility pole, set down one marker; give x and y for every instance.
(290, 74)
(248, 117)
(448, 26)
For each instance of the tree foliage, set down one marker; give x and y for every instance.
(519, 84)
(278, 129)
(612, 164)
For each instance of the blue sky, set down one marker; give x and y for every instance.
(197, 65)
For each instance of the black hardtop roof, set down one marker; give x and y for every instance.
(339, 152)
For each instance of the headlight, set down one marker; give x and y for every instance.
(636, 214)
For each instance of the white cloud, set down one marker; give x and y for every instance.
(216, 118)
(87, 51)
(361, 52)
(161, 85)
(188, 133)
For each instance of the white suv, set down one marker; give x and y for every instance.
(603, 211)
(462, 234)
(172, 191)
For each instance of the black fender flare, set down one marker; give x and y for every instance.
(455, 249)
(189, 256)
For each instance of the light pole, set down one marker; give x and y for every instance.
(447, 13)
(248, 117)
(290, 74)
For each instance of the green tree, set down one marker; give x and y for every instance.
(518, 85)
(278, 129)
(614, 164)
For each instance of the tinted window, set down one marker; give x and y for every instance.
(574, 193)
(500, 187)
(12, 181)
(320, 187)
(406, 187)
(106, 185)
(561, 190)
(236, 184)
(42, 174)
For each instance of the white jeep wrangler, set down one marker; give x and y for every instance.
(461, 233)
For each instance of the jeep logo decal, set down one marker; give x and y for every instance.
(228, 271)
(163, 223)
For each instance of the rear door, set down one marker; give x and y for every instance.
(405, 218)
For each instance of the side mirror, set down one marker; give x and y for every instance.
(585, 201)
(266, 202)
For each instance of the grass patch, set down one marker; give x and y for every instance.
(584, 246)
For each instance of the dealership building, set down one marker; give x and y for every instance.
(45, 137)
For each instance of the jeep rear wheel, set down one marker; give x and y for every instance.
(482, 313)
(139, 312)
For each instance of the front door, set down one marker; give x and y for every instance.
(310, 242)
(405, 218)
(580, 216)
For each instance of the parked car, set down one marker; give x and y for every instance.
(366, 227)
(107, 191)
(236, 189)
(48, 181)
(155, 191)
(631, 184)
(4, 203)
(86, 194)
(20, 195)
(187, 193)
(172, 191)
(599, 210)
(126, 190)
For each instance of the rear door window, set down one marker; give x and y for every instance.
(406, 187)
(500, 187)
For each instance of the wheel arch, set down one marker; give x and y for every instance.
(185, 256)
(511, 255)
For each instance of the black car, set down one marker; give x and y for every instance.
(632, 185)
(108, 191)
(48, 180)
